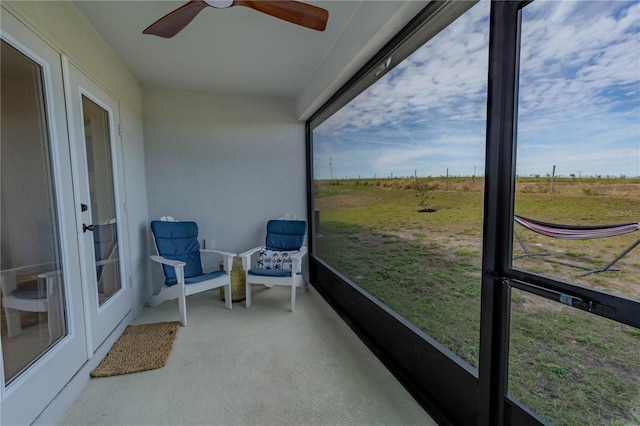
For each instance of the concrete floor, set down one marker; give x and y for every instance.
(259, 366)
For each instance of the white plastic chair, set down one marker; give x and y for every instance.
(178, 250)
(45, 297)
(279, 261)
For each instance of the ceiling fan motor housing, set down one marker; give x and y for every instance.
(219, 4)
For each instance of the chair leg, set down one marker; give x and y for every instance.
(55, 315)
(227, 298)
(293, 297)
(55, 319)
(248, 294)
(182, 307)
(14, 328)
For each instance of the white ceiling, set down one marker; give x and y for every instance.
(240, 50)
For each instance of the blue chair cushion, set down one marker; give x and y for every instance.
(200, 278)
(178, 241)
(31, 292)
(269, 272)
(285, 234)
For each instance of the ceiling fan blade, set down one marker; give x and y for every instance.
(295, 12)
(174, 22)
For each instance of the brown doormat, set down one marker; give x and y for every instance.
(140, 348)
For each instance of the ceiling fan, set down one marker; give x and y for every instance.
(295, 12)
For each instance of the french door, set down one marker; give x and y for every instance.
(43, 330)
(94, 122)
(63, 275)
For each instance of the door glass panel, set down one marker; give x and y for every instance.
(33, 303)
(101, 191)
(578, 158)
(572, 367)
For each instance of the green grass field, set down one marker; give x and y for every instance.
(567, 366)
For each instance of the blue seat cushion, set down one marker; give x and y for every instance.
(178, 241)
(198, 278)
(285, 234)
(269, 272)
(31, 292)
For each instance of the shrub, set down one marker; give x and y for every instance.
(589, 191)
(423, 191)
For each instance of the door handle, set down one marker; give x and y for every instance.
(86, 228)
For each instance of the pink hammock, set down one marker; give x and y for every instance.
(570, 232)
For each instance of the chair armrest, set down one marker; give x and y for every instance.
(177, 265)
(49, 275)
(250, 252)
(296, 259)
(51, 279)
(223, 253)
(8, 277)
(105, 261)
(227, 257)
(301, 253)
(246, 257)
(168, 262)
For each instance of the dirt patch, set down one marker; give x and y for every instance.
(343, 201)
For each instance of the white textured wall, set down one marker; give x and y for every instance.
(229, 162)
(65, 27)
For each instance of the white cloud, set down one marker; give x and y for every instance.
(579, 98)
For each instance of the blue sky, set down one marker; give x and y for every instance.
(579, 106)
